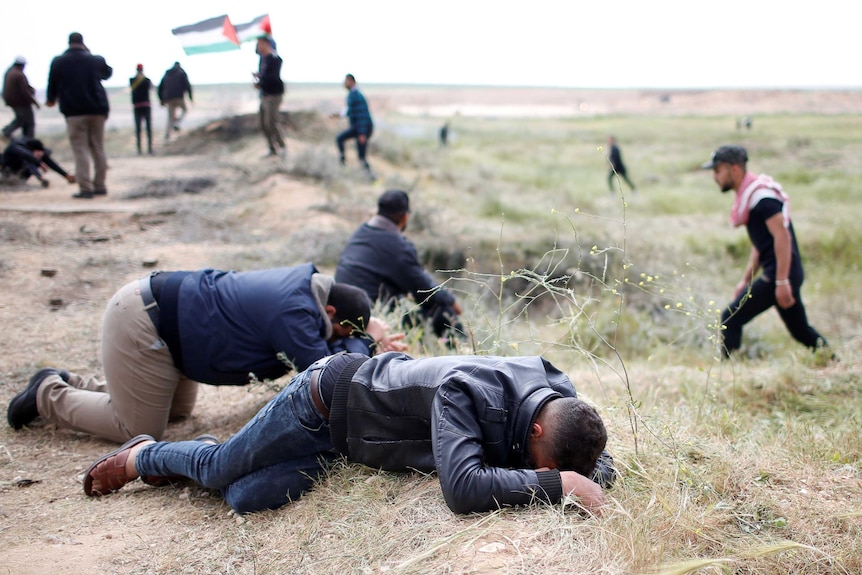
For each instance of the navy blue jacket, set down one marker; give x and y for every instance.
(75, 80)
(381, 261)
(357, 112)
(467, 417)
(230, 324)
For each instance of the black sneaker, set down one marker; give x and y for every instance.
(22, 409)
(82, 195)
(100, 192)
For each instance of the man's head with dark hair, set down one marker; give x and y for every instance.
(76, 38)
(349, 81)
(574, 435)
(34, 144)
(393, 204)
(352, 308)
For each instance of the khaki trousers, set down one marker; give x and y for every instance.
(174, 120)
(142, 388)
(269, 122)
(87, 139)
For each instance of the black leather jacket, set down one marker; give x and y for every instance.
(467, 417)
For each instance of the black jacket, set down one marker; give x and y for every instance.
(269, 75)
(174, 84)
(467, 417)
(381, 261)
(75, 80)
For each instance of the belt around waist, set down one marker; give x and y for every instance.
(314, 390)
(151, 306)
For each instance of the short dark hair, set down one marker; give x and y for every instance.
(350, 76)
(577, 435)
(34, 144)
(393, 204)
(352, 306)
(76, 38)
(733, 155)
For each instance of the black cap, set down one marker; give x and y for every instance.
(735, 155)
(393, 203)
(76, 38)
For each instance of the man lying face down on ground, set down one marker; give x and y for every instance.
(499, 431)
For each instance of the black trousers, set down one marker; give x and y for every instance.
(744, 309)
(144, 114)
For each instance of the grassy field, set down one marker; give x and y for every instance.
(750, 465)
(744, 466)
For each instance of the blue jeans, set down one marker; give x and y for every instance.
(271, 461)
(360, 146)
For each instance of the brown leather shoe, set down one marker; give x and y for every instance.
(110, 469)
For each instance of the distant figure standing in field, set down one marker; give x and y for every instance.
(618, 168)
(361, 125)
(172, 93)
(268, 81)
(21, 97)
(75, 80)
(764, 209)
(25, 157)
(444, 135)
(141, 86)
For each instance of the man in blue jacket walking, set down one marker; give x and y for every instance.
(361, 126)
(164, 334)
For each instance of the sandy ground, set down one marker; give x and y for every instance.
(61, 259)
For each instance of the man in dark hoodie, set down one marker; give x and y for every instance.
(499, 431)
(75, 80)
(172, 93)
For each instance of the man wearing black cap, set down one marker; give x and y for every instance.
(75, 80)
(20, 96)
(140, 87)
(499, 431)
(381, 261)
(764, 209)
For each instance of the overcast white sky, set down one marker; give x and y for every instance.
(615, 44)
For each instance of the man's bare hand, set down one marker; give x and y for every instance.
(784, 296)
(588, 492)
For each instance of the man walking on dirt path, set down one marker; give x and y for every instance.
(75, 80)
(172, 93)
(19, 95)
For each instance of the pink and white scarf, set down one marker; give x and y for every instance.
(751, 191)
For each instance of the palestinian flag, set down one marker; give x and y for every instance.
(249, 31)
(213, 35)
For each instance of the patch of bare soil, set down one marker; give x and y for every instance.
(203, 199)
